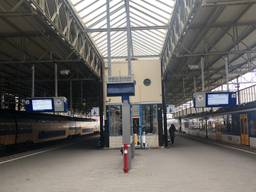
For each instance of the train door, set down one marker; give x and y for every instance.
(221, 122)
(218, 130)
(244, 129)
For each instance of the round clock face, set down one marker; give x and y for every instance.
(200, 97)
(147, 82)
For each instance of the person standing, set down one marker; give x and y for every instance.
(172, 130)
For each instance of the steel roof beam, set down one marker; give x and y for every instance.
(227, 2)
(240, 38)
(140, 14)
(223, 25)
(142, 19)
(117, 41)
(129, 37)
(102, 13)
(146, 45)
(164, 11)
(120, 50)
(123, 20)
(112, 35)
(138, 22)
(119, 46)
(104, 17)
(140, 28)
(147, 14)
(212, 53)
(150, 11)
(152, 34)
(135, 56)
(227, 52)
(147, 39)
(142, 50)
(109, 39)
(86, 7)
(165, 4)
(92, 11)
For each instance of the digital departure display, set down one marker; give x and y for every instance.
(42, 105)
(121, 89)
(218, 99)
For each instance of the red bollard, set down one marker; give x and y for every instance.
(125, 154)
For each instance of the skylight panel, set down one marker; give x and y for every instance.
(149, 20)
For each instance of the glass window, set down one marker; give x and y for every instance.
(149, 119)
(115, 120)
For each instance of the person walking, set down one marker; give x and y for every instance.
(172, 130)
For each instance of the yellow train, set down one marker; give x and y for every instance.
(23, 127)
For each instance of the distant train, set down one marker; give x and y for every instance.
(236, 127)
(22, 127)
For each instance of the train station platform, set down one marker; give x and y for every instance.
(188, 165)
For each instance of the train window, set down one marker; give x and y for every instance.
(149, 119)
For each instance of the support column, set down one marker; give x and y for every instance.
(195, 88)
(164, 114)
(126, 131)
(164, 107)
(71, 96)
(2, 101)
(227, 71)
(101, 107)
(81, 92)
(238, 91)
(109, 39)
(56, 79)
(183, 86)
(129, 37)
(33, 81)
(202, 73)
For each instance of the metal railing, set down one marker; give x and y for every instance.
(121, 79)
(246, 95)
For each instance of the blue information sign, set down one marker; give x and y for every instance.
(120, 89)
(221, 99)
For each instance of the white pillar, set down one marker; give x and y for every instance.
(56, 79)
(227, 72)
(33, 81)
(202, 73)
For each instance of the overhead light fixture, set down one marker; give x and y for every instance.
(193, 67)
(65, 72)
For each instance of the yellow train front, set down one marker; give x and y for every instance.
(22, 127)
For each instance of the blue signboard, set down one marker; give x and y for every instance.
(221, 99)
(120, 89)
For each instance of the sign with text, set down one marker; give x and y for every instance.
(221, 99)
(214, 99)
(46, 104)
(120, 89)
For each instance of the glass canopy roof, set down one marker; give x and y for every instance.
(148, 20)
